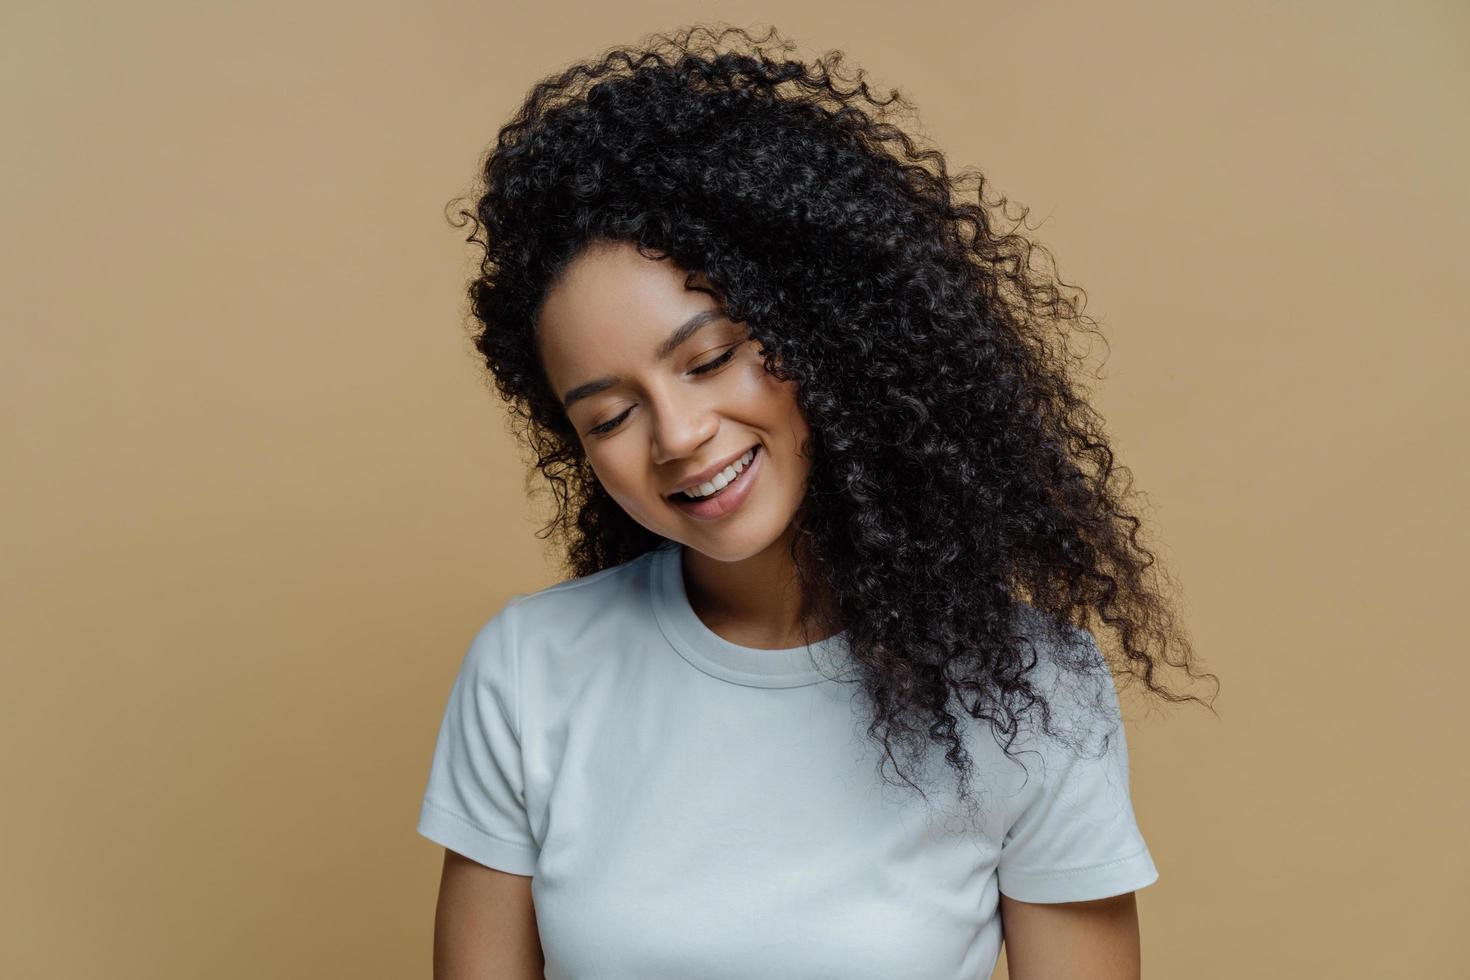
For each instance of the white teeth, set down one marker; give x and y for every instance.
(722, 478)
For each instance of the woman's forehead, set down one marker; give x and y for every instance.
(618, 294)
(611, 301)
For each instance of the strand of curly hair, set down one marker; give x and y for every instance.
(964, 502)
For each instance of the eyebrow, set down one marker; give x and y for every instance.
(663, 352)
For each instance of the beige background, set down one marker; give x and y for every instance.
(257, 496)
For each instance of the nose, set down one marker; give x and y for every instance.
(681, 426)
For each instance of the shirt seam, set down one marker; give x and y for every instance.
(515, 664)
(1087, 869)
(461, 818)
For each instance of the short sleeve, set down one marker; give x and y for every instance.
(475, 803)
(1071, 834)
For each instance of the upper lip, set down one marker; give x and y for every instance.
(708, 473)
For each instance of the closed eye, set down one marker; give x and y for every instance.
(711, 365)
(705, 368)
(609, 425)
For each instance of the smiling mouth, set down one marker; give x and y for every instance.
(679, 496)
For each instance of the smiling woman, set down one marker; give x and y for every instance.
(660, 410)
(821, 471)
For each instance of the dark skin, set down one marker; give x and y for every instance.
(658, 419)
(1096, 940)
(485, 924)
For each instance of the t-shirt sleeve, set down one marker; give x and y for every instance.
(475, 803)
(1071, 834)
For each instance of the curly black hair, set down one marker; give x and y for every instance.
(960, 483)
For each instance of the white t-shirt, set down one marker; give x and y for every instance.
(690, 807)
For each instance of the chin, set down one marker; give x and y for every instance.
(734, 538)
(734, 543)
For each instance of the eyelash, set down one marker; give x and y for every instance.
(705, 368)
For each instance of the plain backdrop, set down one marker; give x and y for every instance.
(258, 495)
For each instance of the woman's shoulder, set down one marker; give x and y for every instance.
(1067, 672)
(581, 607)
(621, 581)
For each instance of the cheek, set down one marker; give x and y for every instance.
(776, 398)
(783, 397)
(622, 472)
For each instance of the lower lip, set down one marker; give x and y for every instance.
(728, 499)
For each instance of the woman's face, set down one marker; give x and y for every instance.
(660, 388)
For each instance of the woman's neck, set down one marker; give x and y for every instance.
(754, 602)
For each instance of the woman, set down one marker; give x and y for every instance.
(820, 474)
